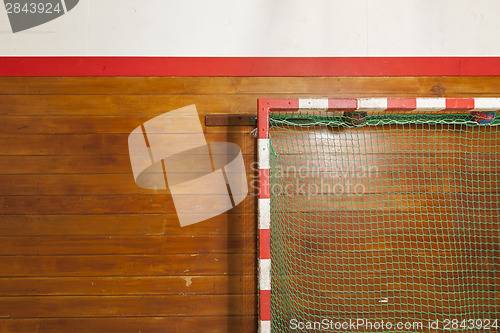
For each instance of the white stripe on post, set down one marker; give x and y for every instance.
(265, 274)
(313, 103)
(263, 148)
(486, 104)
(370, 104)
(431, 104)
(264, 326)
(264, 213)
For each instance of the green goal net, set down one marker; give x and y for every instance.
(385, 222)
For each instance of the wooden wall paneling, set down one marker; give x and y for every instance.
(82, 249)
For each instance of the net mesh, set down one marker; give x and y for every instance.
(391, 219)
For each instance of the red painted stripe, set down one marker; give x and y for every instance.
(343, 104)
(403, 104)
(459, 103)
(249, 66)
(264, 184)
(264, 244)
(263, 119)
(265, 305)
(479, 66)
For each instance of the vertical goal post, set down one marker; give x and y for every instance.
(368, 105)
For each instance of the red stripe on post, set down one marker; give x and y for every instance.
(459, 104)
(264, 184)
(265, 105)
(403, 104)
(265, 305)
(264, 244)
(342, 104)
(283, 104)
(263, 122)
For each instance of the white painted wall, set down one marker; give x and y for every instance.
(264, 28)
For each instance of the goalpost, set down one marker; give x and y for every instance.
(381, 211)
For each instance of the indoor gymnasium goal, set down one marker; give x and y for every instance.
(378, 214)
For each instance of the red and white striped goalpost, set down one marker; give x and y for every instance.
(265, 106)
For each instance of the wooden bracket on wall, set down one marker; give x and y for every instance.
(230, 120)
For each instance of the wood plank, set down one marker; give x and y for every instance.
(328, 86)
(83, 225)
(69, 164)
(127, 245)
(66, 164)
(123, 204)
(421, 86)
(123, 225)
(66, 144)
(236, 324)
(127, 306)
(117, 85)
(88, 85)
(100, 204)
(123, 105)
(94, 144)
(94, 184)
(93, 124)
(88, 124)
(140, 285)
(230, 120)
(227, 223)
(127, 265)
(347, 87)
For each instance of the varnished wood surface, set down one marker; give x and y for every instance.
(190, 264)
(143, 324)
(83, 249)
(133, 285)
